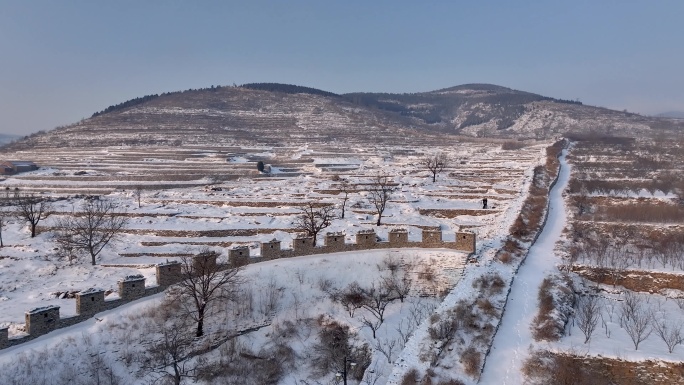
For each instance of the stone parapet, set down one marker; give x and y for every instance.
(132, 287)
(90, 301)
(42, 320)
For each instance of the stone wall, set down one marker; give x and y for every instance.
(334, 242)
(465, 241)
(271, 249)
(398, 237)
(204, 262)
(303, 245)
(132, 287)
(238, 256)
(366, 239)
(90, 301)
(42, 320)
(3, 337)
(168, 273)
(432, 238)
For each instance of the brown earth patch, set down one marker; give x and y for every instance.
(635, 280)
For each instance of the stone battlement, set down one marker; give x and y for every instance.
(89, 302)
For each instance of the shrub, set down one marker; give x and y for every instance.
(410, 378)
(471, 360)
(512, 145)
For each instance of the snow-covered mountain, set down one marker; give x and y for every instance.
(269, 113)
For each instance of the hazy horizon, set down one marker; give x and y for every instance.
(63, 61)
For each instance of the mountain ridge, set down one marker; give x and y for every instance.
(274, 114)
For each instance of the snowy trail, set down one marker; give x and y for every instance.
(512, 342)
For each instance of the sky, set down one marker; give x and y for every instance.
(60, 61)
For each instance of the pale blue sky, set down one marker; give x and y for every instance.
(60, 61)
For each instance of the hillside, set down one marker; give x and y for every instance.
(272, 114)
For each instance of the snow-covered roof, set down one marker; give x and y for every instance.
(42, 309)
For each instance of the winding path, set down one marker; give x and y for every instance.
(512, 342)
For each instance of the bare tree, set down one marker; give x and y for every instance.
(636, 319)
(90, 230)
(380, 192)
(4, 217)
(345, 188)
(399, 286)
(669, 331)
(588, 313)
(376, 300)
(314, 219)
(334, 351)
(32, 209)
(203, 281)
(436, 163)
(171, 345)
(351, 298)
(137, 193)
(619, 258)
(582, 202)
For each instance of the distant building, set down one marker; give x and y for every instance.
(10, 167)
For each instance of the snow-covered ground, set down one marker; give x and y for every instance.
(511, 344)
(182, 220)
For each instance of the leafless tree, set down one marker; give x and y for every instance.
(345, 189)
(203, 281)
(399, 286)
(334, 351)
(588, 313)
(582, 202)
(376, 300)
(619, 259)
(388, 347)
(636, 319)
(4, 217)
(90, 230)
(171, 345)
(669, 331)
(436, 163)
(314, 219)
(351, 298)
(137, 193)
(379, 194)
(32, 209)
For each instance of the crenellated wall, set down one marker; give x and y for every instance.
(40, 321)
(366, 239)
(432, 238)
(168, 273)
(90, 301)
(334, 242)
(3, 337)
(132, 287)
(398, 237)
(238, 256)
(270, 249)
(303, 245)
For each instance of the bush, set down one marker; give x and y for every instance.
(471, 360)
(556, 301)
(512, 145)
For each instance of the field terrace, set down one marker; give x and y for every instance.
(624, 244)
(214, 197)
